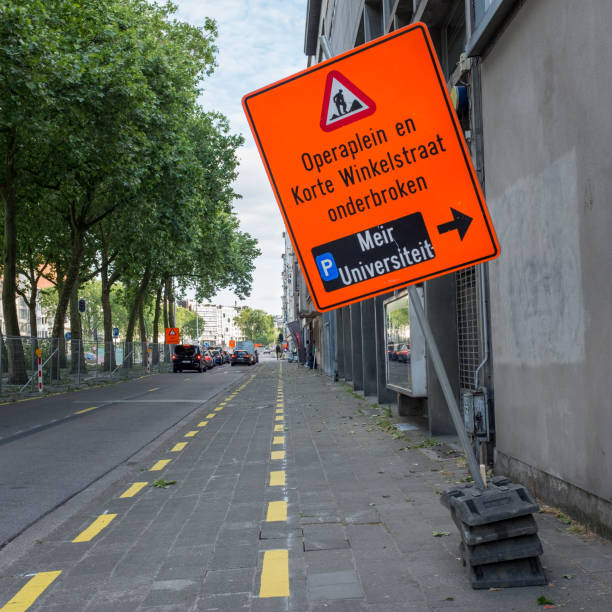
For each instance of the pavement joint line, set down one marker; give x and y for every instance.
(95, 528)
(135, 488)
(202, 423)
(178, 447)
(191, 434)
(30, 591)
(160, 465)
(278, 478)
(275, 574)
(86, 410)
(277, 511)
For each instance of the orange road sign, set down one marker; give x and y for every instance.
(172, 335)
(370, 169)
(232, 343)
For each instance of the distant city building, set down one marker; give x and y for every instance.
(217, 323)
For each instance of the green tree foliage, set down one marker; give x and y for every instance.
(108, 157)
(256, 325)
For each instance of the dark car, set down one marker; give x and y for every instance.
(187, 357)
(208, 359)
(242, 356)
(403, 353)
(218, 357)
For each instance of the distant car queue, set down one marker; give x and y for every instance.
(200, 359)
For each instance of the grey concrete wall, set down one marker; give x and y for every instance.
(348, 344)
(368, 347)
(547, 124)
(356, 342)
(440, 308)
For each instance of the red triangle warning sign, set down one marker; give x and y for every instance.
(343, 102)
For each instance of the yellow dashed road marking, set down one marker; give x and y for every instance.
(202, 423)
(275, 574)
(86, 410)
(160, 465)
(280, 411)
(279, 428)
(190, 434)
(218, 408)
(277, 478)
(277, 455)
(210, 416)
(95, 528)
(277, 511)
(153, 389)
(278, 440)
(135, 488)
(280, 417)
(178, 447)
(30, 592)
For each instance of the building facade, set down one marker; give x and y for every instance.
(525, 339)
(217, 323)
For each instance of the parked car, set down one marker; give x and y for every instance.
(249, 347)
(403, 353)
(208, 359)
(267, 350)
(242, 356)
(187, 357)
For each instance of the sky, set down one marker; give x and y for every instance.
(259, 42)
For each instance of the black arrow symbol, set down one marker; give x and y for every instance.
(460, 223)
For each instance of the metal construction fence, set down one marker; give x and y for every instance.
(74, 362)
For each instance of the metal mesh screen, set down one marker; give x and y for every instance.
(468, 326)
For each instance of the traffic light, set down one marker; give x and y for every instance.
(81, 305)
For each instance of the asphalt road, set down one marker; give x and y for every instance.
(52, 448)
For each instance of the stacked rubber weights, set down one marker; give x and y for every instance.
(499, 536)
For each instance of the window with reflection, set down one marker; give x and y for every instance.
(397, 319)
(405, 350)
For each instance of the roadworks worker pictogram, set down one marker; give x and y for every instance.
(343, 102)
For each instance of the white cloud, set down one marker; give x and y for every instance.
(260, 41)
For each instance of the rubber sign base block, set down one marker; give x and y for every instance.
(499, 541)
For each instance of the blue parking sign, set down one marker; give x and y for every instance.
(115, 332)
(327, 266)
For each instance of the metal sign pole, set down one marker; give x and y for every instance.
(436, 359)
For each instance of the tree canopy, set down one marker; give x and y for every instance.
(256, 325)
(110, 168)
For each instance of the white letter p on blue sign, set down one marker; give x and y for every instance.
(327, 266)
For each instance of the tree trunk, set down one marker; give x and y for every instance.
(64, 291)
(107, 315)
(16, 359)
(165, 312)
(77, 353)
(138, 299)
(155, 351)
(171, 307)
(143, 332)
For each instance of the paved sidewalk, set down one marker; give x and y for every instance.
(291, 494)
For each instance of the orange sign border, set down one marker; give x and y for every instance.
(466, 156)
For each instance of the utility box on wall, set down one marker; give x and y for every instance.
(405, 347)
